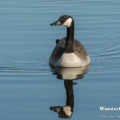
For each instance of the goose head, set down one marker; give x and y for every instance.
(65, 20)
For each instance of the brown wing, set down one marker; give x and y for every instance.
(59, 49)
(79, 49)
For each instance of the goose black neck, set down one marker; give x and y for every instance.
(70, 38)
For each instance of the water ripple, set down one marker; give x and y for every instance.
(104, 53)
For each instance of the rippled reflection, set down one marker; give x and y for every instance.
(68, 75)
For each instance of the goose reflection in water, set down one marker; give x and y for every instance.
(68, 75)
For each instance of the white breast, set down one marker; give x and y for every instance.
(68, 60)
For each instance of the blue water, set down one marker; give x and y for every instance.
(30, 88)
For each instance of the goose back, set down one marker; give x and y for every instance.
(78, 48)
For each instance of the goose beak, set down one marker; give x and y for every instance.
(56, 23)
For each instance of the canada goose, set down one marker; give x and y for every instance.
(68, 51)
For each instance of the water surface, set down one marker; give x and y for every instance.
(30, 88)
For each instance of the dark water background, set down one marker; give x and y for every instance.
(29, 87)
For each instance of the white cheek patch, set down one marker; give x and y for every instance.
(67, 110)
(68, 22)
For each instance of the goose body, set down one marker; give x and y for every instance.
(68, 51)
